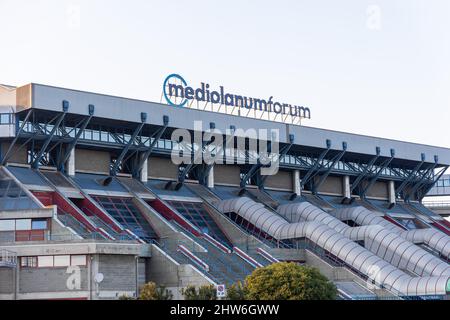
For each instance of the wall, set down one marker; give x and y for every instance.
(227, 174)
(332, 185)
(16, 155)
(378, 190)
(93, 161)
(162, 168)
(282, 180)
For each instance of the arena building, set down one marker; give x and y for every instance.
(92, 205)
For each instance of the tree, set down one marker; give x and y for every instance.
(150, 291)
(288, 281)
(237, 291)
(205, 292)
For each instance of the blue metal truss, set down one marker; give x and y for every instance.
(367, 169)
(324, 176)
(314, 169)
(125, 150)
(35, 162)
(375, 178)
(411, 176)
(141, 158)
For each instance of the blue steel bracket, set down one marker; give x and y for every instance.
(412, 174)
(186, 170)
(62, 161)
(37, 159)
(375, 178)
(18, 133)
(313, 170)
(147, 153)
(422, 179)
(283, 152)
(431, 185)
(127, 147)
(368, 168)
(335, 160)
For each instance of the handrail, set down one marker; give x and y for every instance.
(247, 258)
(267, 255)
(216, 243)
(193, 257)
(8, 258)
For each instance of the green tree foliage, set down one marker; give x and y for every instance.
(150, 291)
(288, 281)
(236, 292)
(206, 292)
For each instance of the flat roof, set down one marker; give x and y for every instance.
(127, 109)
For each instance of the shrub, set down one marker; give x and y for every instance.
(288, 281)
(150, 291)
(205, 292)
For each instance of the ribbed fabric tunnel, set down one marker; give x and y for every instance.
(336, 243)
(380, 240)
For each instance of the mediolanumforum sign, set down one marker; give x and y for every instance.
(178, 93)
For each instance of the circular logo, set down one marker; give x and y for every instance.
(166, 84)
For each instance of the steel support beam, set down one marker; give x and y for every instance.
(423, 179)
(71, 146)
(18, 133)
(37, 159)
(335, 160)
(312, 171)
(367, 169)
(136, 132)
(378, 174)
(143, 157)
(438, 176)
(283, 153)
(411, 175)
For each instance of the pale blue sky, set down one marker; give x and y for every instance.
(387, 77)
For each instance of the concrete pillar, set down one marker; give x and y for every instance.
(211, 178)
(70, 164)
(346, 187)
(296, 183)
(144, 172)
(391, 191)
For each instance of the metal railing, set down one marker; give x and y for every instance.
(8, 258)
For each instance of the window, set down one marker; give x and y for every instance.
(28, 262)
(23, 224)
(62, 261)
(45, 261)
(7, 225)
(39, 225)
(5, 118)
(79, 260)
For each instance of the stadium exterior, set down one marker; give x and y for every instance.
(92, 206)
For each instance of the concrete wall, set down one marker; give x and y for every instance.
(227, 174)
(162, 168)
(282, 180)
(332, 185)
(119, 272)
(378, 190)
(24, 97)
(36, 280)
(93, 161)
(162, 270)
(16, 155)
(6, 281)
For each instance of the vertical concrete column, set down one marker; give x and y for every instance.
(346, 187)
(144, 172)
(391, 190)
(296, 183)
(70, 165)
(211, 178)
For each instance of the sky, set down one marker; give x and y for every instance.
(379, 67)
